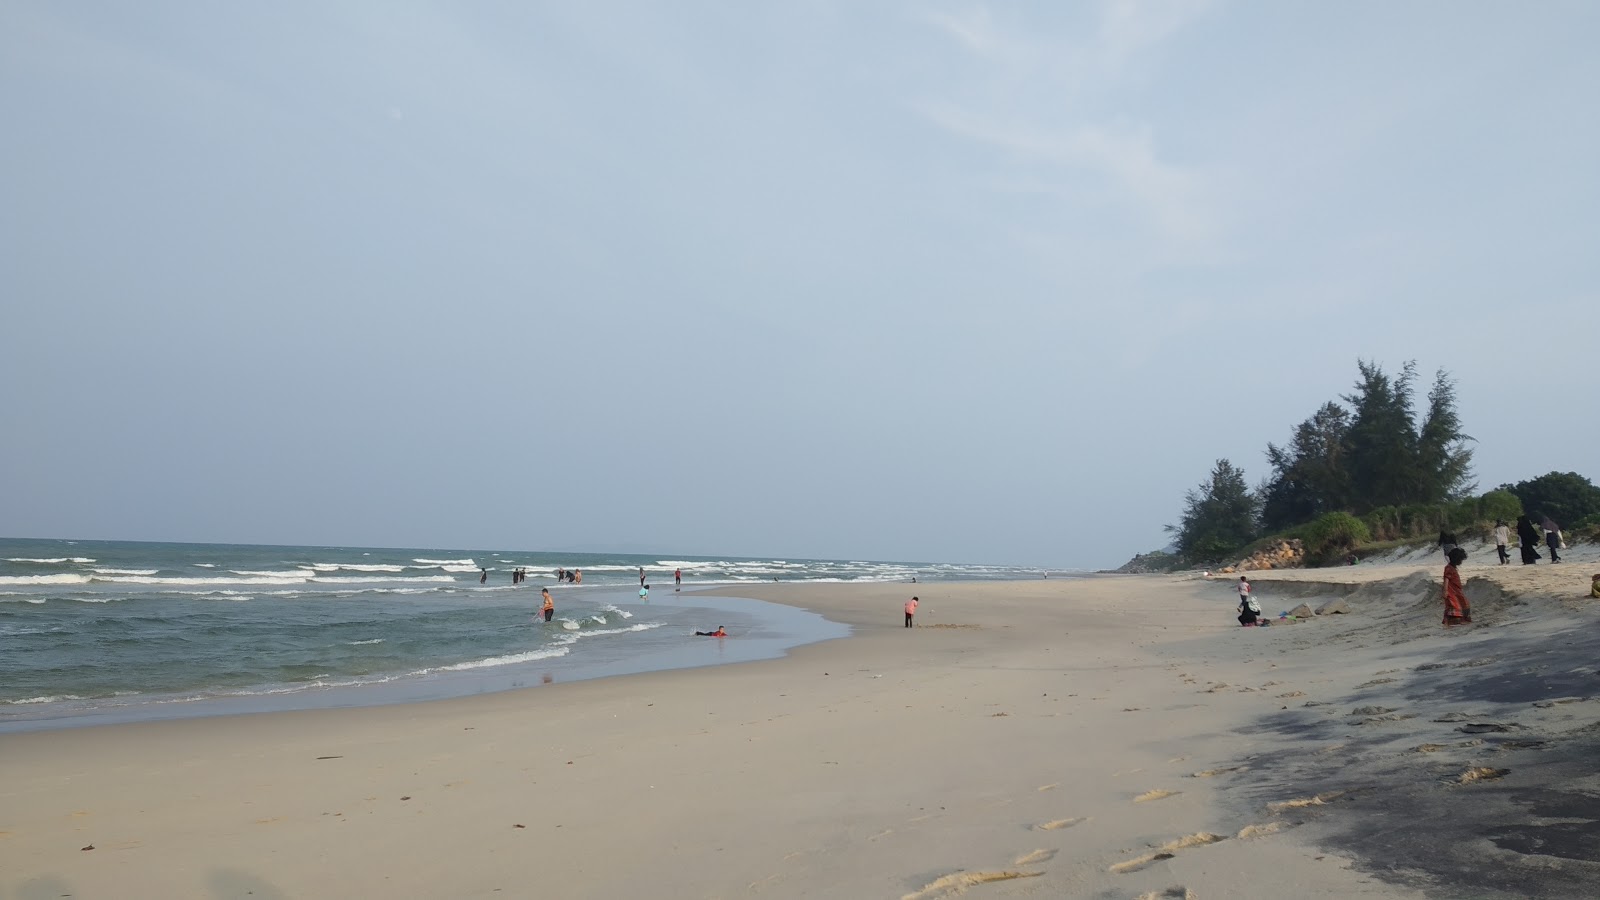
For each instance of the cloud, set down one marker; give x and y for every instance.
(1130, 26)
(1041, 117)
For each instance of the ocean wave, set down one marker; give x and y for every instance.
(302, 572)
(472, 568)
(621, 612)
(507, 660)
(197, 580)
(362, 567)
(360, 643)
(52, 561)
(642, 626)
(446, 562)
(53, 698)
(62, 578)
(126, 571)
(205, 565)
(408, 579)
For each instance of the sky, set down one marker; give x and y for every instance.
(939, 282)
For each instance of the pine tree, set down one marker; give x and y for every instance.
(1381, 448)
(1309, 477)
(1219, 516)
(1443, 457)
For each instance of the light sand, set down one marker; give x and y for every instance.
(1109, 737)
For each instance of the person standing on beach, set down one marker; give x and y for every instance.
(549, 605)
(1244, 591)
(677, 579)
(1456, 609)
(1502, 538)
(577, 576)
(911, 610)
(1552, 538)
(483, 577)
(1529, 541)
(641, 576)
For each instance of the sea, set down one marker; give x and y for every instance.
(104, 631)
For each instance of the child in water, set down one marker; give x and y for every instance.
(718, 633)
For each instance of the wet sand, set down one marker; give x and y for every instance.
(1110, 737)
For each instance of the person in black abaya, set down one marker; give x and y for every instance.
(1529, 538)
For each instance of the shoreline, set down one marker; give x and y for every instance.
(1111, 736)
(768, 631)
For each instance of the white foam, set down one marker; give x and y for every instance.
(621, 612)
(569, 625)
(275, 573)
(356, 579)
(509, 659)
(54, 698)
(598, 620)
(447, 562)
(642, 626)
(360, 643)
(55, 560)
(463, 568)
(125, 571)
(63, 578)
(360, 567)
(206, 565)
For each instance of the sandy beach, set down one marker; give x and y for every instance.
(1115, 737)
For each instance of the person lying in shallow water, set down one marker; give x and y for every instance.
(718, 633)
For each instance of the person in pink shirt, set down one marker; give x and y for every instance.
(911, 610)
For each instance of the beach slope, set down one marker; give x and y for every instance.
(1103, 737)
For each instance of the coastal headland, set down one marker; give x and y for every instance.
(1102, 737)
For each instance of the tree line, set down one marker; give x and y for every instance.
(1369, 468)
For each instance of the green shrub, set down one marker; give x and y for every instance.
(1334, 533)
(1500, 505)
(1462, 514)
(1384, 523)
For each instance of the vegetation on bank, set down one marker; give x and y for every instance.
(1368, 475)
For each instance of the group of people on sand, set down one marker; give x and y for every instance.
(1457, 609)
(1528, 539)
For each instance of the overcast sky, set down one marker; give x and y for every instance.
(871, 280)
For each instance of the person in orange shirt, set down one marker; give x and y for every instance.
(1456, 609)
(911, 610)
(718, 633)
(549, 605)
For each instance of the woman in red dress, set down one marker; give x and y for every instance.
(1456, 609)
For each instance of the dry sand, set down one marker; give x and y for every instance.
(1111, 737)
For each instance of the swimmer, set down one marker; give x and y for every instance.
(718, 633)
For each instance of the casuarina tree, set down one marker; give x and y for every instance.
(1219, 516)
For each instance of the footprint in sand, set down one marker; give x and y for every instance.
(1037, 856)
(1059, 824)
(1435, 748)
(1157, 794)
(1139, 862)
(1171, 893)
(1302, 802)
(1166, 851)
(958, 882)
(1211, 773)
